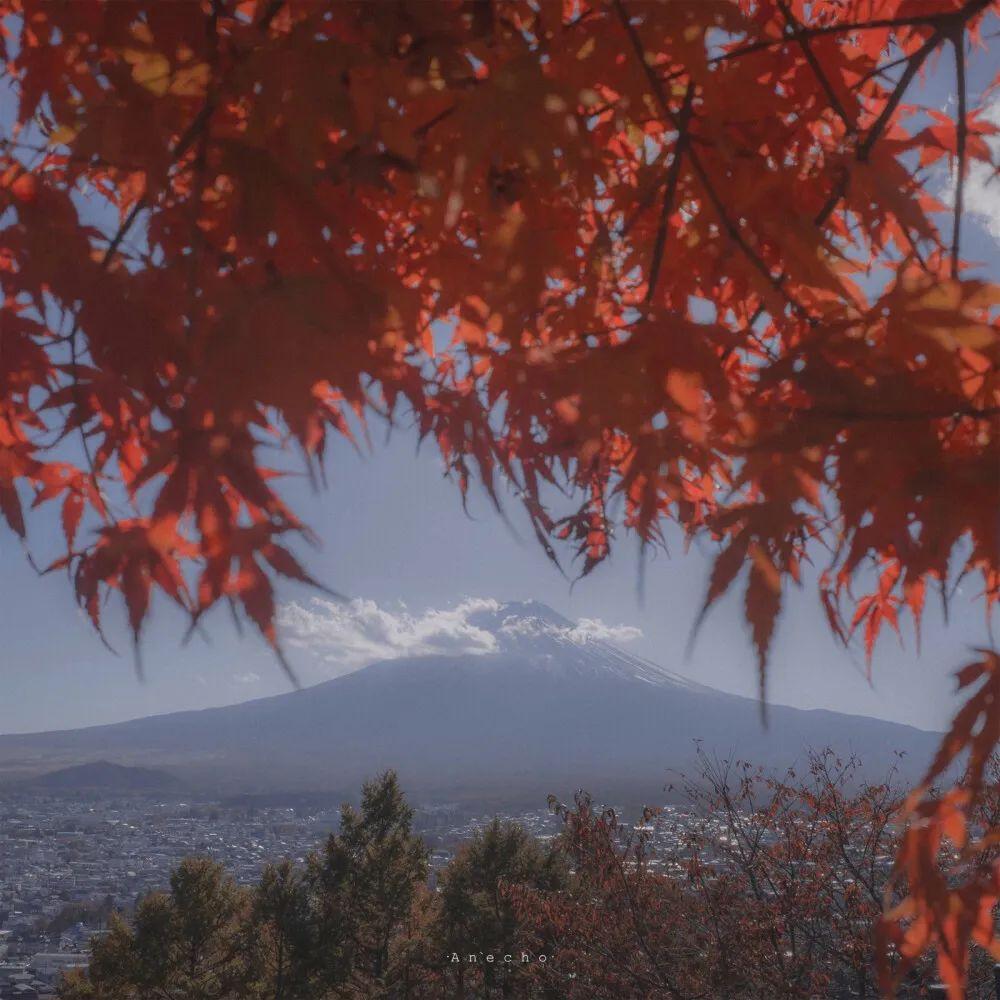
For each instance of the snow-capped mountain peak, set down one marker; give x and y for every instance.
(536, 632)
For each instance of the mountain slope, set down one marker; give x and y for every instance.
(551, 710)
(104, 776)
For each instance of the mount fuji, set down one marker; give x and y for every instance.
(552, 708)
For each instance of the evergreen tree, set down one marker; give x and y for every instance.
(282, 935)
(477, 918)
(182, 944)
(367, 878)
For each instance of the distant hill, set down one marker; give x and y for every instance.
(102, 775)
(550, 711)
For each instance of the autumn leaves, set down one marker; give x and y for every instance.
(690, 255)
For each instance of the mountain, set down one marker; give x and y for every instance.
(551, 709)
(103, 776)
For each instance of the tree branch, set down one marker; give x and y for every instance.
(817, 69)
(776, 281)
(875, 132)
(880, 70)
(189, 136)
(670, 191)
(920, 21)
(950, 24)
(961, 130)
(899, 416)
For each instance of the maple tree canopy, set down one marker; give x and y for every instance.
(681, 255)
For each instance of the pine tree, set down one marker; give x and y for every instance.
(368, 877)
(182, 944)
(476, 916)
(282, 935)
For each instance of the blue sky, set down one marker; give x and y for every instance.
(393, 533)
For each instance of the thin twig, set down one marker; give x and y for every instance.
(961, 134)
(953, 23)
(880, 70)
(188, 137)
(776, 281)
(924, 20)
(817, 69)
(670, 191)
(849, 416)
(269, 15)
(81, 426)
(875, 132)
(906, 78)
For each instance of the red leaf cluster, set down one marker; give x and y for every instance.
(678, 261)
(948, 861)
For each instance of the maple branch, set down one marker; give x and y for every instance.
(880, 70)
(122, 232)
(961, 134)
(90, 160)
(638, 924)
(951, 23)
(270, 14)
(670, 191)
(900, 416)
(917, 21)
(198, 239)
(185, 142)
(91, 465)
(906, 78)
(776, 281)
(190, 135)
(913, 64)
(421, 130)
(817, 69)
(875, 132)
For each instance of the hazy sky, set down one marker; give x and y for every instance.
(396, 539)
(394, 532)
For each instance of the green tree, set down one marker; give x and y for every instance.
(476, 916)
(182, 944)
(92, 911)
(367, 878)
(283, 935)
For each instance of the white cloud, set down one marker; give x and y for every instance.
(593, 628)
(981, 196)
(585, 630)
(982, 186)
(359, 632)
(349, 635)
(248, 678)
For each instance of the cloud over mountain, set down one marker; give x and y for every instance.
(522, 704)
(350, 635)
(583, 631)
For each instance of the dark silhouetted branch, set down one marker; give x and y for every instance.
(961, 135)
(670, 192)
